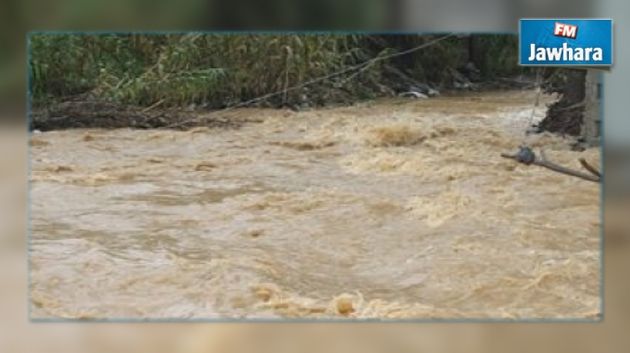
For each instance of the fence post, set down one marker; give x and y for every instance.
(590, 125)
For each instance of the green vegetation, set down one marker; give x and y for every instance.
(218, 70)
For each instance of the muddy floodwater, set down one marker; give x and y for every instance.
(395, 208)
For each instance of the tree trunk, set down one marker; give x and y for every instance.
(566, 115)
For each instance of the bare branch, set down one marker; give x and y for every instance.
(542, 162)
(590, 168)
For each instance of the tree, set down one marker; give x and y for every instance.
(576, 113)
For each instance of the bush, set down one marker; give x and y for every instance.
(218, 70)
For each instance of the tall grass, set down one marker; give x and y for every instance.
(500, 55)
(222, 69)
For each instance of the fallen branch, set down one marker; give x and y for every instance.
(526, 156)
(153, 106)
(590, 168)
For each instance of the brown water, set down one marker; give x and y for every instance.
(388, 209)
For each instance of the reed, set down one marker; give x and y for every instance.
(217, 70)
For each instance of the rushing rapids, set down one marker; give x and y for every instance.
(386, 209)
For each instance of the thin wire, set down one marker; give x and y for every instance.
(315, 80)
(539, 74)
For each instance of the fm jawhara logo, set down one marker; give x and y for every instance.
(565, 42)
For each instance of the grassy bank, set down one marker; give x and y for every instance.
(218, 70)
